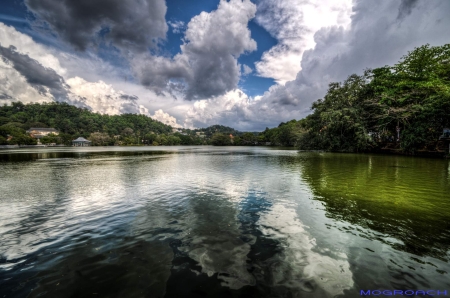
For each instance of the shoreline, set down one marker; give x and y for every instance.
(429, 154)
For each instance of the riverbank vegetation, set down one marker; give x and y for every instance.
(405, 106)
(73, 122)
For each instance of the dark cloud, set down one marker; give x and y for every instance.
(406, 7)
(157, 73)
(135, 24)
(5, 97)
(214, 76)
(41, 78)
(128, 104)
(129, 97)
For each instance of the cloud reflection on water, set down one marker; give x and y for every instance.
(300, 266)
(240, 223)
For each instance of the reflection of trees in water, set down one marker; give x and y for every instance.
(403, 198)
(133, 268)
(33, 156)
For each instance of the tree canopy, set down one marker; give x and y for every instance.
(406, 105)
(73, 122)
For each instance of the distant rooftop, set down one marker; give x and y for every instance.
(81, 139)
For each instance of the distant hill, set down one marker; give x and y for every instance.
(102, 130)
(209, 131)
(74, 122)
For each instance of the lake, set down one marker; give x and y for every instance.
(220, 222)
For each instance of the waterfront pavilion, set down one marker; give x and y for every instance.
(81, 142)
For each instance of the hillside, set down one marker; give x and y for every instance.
(74, 122)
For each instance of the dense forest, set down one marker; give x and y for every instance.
(104, 130)
(403, 107)
(73, 122)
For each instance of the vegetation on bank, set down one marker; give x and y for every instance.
(102, 129)
(410, 100)
(73, 122)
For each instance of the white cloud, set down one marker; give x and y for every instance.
(293, 23)
(25, 45)
(103, 98)
(376, 37)
(246, 70)
(236, 109)
(177, 26)
(207, 65)
(165, 118)
(14, 86)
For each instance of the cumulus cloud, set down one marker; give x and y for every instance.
(14, 86)
(31, 72)
(27, 80)
(103, 98)
(293, 23)
(127, 24)
(207, 65)
(44, 80)
(165, 118)
(231, 106)
(25, 44)
(206, 71)
(246, 70)
(238, 110)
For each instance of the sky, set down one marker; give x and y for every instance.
(240, 63)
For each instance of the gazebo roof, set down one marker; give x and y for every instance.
(81, 139)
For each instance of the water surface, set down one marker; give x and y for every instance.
(220, 222)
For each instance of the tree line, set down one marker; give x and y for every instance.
(405, 106)
(73, 122)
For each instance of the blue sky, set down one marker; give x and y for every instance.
(241, 63)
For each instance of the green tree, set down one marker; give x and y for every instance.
(51, 138)
(247, 138)
(364, 112)
(22, 139)
(4, 120)
(220, 139)
(100, 139)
